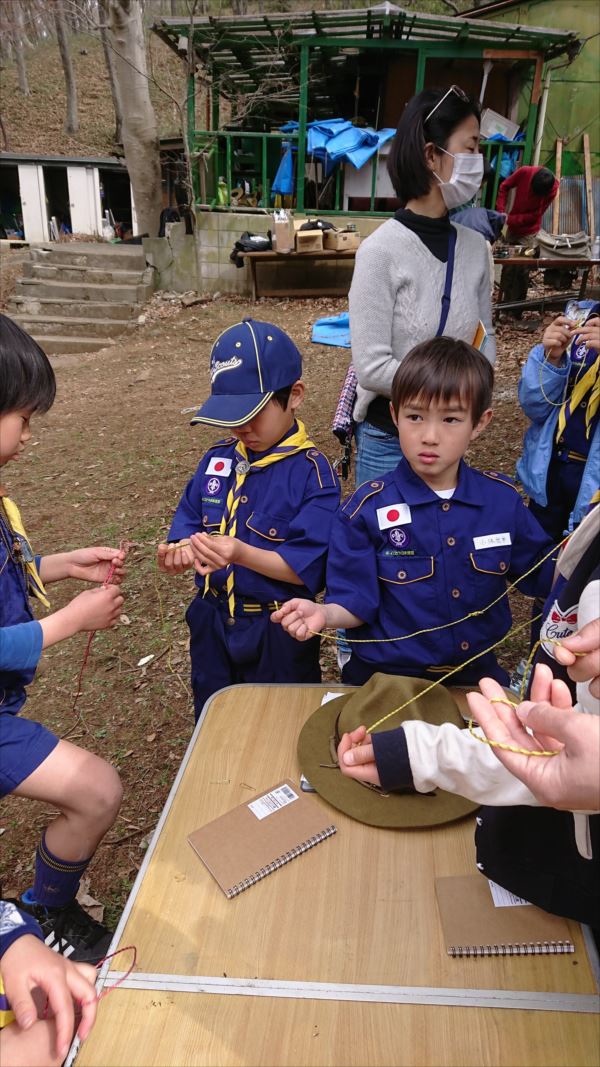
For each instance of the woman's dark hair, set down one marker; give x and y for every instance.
(442, 370)
(542, 182)
(26, 377)
(407, 167)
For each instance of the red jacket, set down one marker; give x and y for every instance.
(526, 213)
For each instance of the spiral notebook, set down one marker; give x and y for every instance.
(474, 925)
(258, 837)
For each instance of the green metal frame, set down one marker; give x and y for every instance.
(297, 48)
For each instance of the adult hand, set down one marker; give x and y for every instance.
(212, 552)
(175, 558)
(582, 668)
(556, 338)
(94, 564)
(29, 964)
(569, 780)
(357, 758)
(301, 618)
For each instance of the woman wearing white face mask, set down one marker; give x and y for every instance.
(418, 275)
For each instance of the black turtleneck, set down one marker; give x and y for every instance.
(433, 232)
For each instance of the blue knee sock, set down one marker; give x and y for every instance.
(56, 880)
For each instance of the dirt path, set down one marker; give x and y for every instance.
(109, 462)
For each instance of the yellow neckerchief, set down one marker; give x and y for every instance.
(15, 524)
(588, 385)
(290, 446)
(7, 1016)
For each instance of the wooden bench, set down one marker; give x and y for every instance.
(531, 263)
(256, 258)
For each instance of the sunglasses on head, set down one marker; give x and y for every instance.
(460, 93)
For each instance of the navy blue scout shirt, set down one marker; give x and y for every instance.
(403, 559)
(21, 645)
(288, 507)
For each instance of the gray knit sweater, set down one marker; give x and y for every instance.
(395, 302)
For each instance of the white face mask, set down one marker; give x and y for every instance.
(466, 177)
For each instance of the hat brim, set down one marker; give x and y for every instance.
(360, 802)
(231, 410)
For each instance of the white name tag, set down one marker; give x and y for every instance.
(393, 515)
(219, 465)
(492, 540)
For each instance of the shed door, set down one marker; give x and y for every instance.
(33, 202)
(84, 200)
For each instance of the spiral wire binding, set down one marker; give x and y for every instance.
(526, 948)
(280, 861)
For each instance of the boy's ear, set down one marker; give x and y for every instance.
(296, 395)
(393, 414)
(484, 421)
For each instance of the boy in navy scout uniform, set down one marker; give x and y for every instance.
(255, 519)
(425, 549)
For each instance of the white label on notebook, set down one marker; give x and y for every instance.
(273, 801)
(393, 515)
(492, 540)
(503, 898)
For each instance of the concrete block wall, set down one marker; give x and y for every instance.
(174, 257)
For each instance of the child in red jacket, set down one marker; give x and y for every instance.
(535, 188)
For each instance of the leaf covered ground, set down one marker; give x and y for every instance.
(109, 462)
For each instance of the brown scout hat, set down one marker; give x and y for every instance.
(383, 693)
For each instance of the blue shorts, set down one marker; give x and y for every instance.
(24, 745)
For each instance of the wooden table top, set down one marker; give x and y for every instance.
(335, 959)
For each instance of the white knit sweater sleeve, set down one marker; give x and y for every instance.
(444, 757)
(371, 301)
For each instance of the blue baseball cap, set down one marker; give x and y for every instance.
(248, 363)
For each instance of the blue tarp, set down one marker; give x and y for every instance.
(334, 330)
(283, 182)
(335, 140)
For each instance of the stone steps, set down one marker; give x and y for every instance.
(96, 292)
(79, 296)
(29, 304)
(41, 325)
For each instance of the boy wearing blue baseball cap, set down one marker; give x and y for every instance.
(255, 519)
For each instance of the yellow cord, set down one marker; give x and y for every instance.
(461, 666)
(502, 744)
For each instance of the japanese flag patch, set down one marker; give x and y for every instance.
(219, 465)
(393, 515)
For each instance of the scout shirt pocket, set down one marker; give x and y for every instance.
(266, 528)
(408, 577)
(488, 572)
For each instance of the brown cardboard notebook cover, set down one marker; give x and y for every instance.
(474, 926)
(256, 838)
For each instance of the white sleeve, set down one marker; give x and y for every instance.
(444, 757)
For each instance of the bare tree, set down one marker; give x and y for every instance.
(140, 134)
(72, 119)
(18, 36)
(107, 46)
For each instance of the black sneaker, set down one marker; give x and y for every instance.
(70, 931)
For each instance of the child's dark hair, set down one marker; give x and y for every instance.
(443, 370)
(542, 182)
(282, 396)
(27, 380)
(407, 167)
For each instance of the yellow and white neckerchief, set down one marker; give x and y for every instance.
(290, 446)
(23, 548)
(588, 385)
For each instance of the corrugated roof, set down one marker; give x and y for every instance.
(249, 51)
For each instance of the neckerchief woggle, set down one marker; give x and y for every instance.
(15, 522)
(291, 446)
